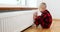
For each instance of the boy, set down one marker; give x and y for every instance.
(45, 19)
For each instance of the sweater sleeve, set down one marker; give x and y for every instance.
(49, 18)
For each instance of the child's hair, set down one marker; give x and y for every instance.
(44, 3)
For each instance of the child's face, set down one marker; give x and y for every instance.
(42, 7)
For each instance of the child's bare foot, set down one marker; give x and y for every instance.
(34, 26)
(37, 26)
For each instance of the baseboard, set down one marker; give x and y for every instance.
(56, 19)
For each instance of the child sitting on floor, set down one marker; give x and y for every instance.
(45, 19)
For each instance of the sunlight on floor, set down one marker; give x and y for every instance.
(55, 27)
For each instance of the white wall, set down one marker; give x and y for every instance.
(54, 7)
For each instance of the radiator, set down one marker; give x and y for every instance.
(15, 21)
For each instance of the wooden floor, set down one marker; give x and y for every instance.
(55, 27)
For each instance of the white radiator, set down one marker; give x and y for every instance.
(15, 21)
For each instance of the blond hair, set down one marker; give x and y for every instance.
(44, 3)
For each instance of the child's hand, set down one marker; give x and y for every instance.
(35, 15)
